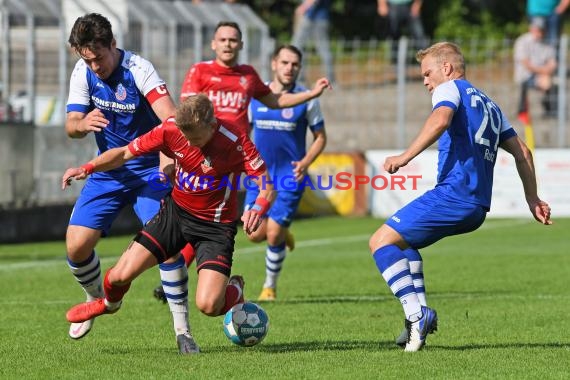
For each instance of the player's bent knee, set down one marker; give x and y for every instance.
(275, 239)
(208, 306)
(79, 251)
(80, 243)
(120, 277)
(374, 243)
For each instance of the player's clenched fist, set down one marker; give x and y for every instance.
(94, 121)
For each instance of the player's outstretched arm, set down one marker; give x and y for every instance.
(525, 167)
(285, 100)
(111, 159)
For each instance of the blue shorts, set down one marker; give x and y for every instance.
(103, 197)
(283, 208)
(434, 216)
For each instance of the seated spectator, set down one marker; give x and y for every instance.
(535, 64)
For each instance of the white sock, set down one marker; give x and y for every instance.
(399, 278)
(417, 271)
(88, 274)
(274, 257)
(112, 305)
(174, 277)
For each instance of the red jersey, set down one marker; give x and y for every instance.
(230, 89)
(207, 177)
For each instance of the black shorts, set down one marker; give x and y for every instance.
(173, 227)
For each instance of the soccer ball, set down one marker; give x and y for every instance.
(246, 324)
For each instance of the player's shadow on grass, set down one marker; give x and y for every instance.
(331, 299)
(373, 346)
(491, 346)
(373, 298)
(339, 345)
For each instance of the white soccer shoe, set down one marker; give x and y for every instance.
(79, 330)
(402, 339)
(420, 329)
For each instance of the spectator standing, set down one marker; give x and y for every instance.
(402, 14)
(312, 21)
(552, 12)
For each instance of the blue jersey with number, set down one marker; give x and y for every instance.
(280, 134)
(468, 148)
(122, 99)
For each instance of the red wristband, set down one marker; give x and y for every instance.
(88, 167)
(261, 206)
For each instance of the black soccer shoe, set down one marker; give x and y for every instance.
(158, 293)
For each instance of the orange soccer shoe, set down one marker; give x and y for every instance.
(88, 310)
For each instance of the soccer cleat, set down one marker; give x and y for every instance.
(186, 344)
(269, 294)
(402, 339)
(158, 293)
(290, 241)
(79, 330)
(418, 330)
(88, 310)
(240, 283)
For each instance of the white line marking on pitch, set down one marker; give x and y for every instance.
(260, 248)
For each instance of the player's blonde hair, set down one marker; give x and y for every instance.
(444, 52)
(195, 111)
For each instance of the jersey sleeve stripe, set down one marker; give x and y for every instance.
(446, 103)
(505, 135)
(77, 108)
(224, 131)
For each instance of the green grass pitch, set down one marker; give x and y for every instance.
(501, 294)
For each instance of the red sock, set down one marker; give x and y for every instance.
(189, 254)
(114, 293)
(233, 297)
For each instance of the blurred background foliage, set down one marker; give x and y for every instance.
(450, 19)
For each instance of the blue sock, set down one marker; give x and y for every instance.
(394, 267)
